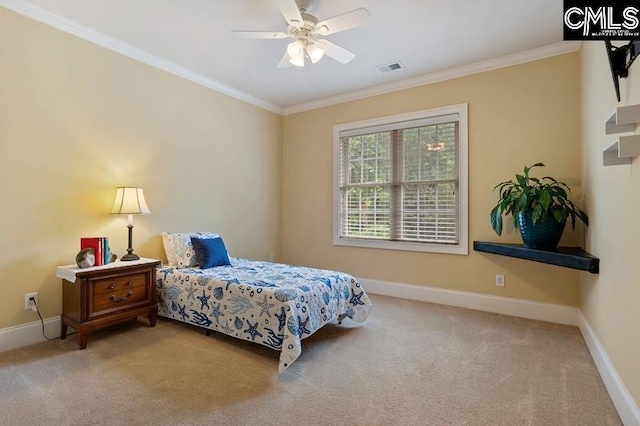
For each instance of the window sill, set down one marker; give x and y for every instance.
(402, 246)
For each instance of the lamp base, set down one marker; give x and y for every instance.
(129, 256)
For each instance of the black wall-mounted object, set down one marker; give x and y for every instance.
(568, 257)
(620, 59)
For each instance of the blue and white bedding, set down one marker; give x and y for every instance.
(273, 304)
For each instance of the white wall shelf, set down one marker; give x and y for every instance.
(622, 152)
(624, 120)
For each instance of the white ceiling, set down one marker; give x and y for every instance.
(192, 37)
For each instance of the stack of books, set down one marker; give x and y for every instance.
(100, 246)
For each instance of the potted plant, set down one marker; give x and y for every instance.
(540, 208)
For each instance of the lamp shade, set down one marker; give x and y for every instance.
(315, 52)
(298, 62)
(129, 200)
(296, 49)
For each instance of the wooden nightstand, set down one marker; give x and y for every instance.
(100, 296)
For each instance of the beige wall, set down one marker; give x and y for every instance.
(517, 115)
(609, 301)
(77, 120)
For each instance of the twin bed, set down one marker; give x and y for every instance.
(271, 304)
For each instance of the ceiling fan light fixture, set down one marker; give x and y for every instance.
(298, 62)
(315, 53)
(296, 49)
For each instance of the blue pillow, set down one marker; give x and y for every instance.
(210, 252)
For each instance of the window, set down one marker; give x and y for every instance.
(401, 182)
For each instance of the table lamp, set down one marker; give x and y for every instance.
(129, 200)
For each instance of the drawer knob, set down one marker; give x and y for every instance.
(115, 299)
(112, 286)
(130, 283)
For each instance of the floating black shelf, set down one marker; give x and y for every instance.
(568, 257)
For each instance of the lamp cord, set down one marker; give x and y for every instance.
(42, 323)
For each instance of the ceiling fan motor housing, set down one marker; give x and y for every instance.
(303, 5)
(306, 30)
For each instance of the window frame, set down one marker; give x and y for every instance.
(462, 248)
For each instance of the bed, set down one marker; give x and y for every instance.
(273, 304)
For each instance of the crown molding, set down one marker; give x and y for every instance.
(45, 17)
(23, 8)
(449, 74)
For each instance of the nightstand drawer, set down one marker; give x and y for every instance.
(119, 299)
(109, 285)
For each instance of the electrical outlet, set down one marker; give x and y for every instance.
(27, 301)
(499, 280)
(271, 258)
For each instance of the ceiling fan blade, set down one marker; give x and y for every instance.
(284, 62)
(336, 52)
(346, 21)
(290, 11)
(259, 34)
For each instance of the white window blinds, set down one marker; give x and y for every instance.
(399, 181)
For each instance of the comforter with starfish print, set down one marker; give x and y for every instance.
(273, 304)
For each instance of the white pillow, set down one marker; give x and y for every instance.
(179, 250)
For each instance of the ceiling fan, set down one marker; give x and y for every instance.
(305, 30)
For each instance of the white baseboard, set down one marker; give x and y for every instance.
(627, 408)
(550, 312)
(28, 334)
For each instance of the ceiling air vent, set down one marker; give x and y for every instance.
(390, 67)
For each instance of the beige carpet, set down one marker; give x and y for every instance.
(412, 363)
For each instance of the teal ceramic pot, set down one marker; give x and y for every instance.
(543, 235)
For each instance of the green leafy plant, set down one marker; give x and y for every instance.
(543, 196)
